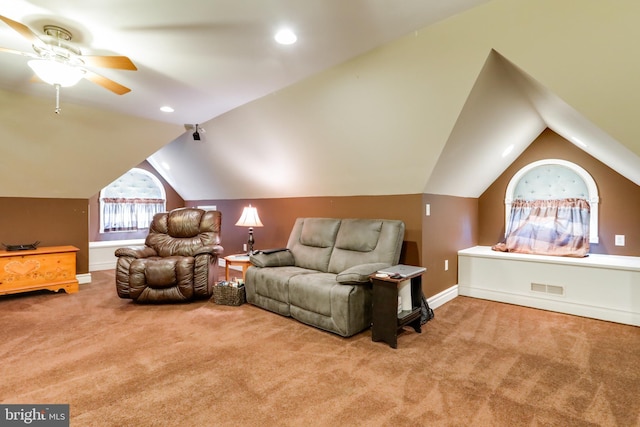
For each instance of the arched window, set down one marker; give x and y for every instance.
(130, 202)
(554, 179)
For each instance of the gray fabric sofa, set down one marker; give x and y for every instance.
(322, 278)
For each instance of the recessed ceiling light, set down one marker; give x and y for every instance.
(286, 36)
(166, 109)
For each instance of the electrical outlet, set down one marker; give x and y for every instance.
(244, 247)
(619, 239)
(446, 265)
(428, 209)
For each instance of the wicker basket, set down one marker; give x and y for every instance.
(228, 295)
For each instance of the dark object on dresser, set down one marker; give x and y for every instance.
(25, 247)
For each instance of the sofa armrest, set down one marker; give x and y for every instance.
(136, 252)
(359, 273)
(279, 258)
(216, 250)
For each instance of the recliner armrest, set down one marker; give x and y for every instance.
(274, 259)
(216, 250)
(359, 273)
(136, 252)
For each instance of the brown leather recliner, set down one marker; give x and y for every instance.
(178, 262)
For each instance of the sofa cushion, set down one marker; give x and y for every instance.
(319, 232)
(312, 292)
(269, 286)
(386, 249)
(360, 273)
(275, 259)
(154, 280)
(350, 310)
(358, 235)
(311, 242)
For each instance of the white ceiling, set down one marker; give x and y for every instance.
(207, 57)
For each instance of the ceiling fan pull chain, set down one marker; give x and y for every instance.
(58, 109)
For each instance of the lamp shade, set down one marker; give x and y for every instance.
(56, 73)
(249, 218)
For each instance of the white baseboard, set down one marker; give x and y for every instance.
(443, 297)
(83, 278)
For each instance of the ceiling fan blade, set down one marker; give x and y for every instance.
(106, 83)
(18, 52)
(22, 29)
(119, 62)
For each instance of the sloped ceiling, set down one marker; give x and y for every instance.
(206, 57)
(506, 110)
(431, 112)
(71, 155)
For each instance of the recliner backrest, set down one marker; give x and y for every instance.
(311, 241)
(365, 241)
(183, 231)
(333, 245)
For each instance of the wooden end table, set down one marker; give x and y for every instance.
(386, 320)
(237, 259)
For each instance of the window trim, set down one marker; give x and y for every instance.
(581, 172)
(101, 197)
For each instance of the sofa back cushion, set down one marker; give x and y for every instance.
(366, 241)
(312, 240)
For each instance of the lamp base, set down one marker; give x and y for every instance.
(250, 242)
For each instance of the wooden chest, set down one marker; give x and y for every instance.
(52, 268)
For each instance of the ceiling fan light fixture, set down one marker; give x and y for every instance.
(56, 73)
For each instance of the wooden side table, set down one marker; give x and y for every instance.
(386, 320)
(237, 259)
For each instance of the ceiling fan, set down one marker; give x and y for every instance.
(59, 63)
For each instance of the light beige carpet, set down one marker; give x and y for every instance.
(478, 363)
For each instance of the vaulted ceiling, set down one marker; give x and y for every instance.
(431, 111)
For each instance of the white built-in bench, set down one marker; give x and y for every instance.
(102, 254)
(605, 287)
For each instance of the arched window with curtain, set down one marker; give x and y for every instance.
(551, 208)
(130, 202)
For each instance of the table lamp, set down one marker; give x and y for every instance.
(249, 218)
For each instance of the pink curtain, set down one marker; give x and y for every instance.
(548, 227)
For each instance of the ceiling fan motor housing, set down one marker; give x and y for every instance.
(55, 56)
